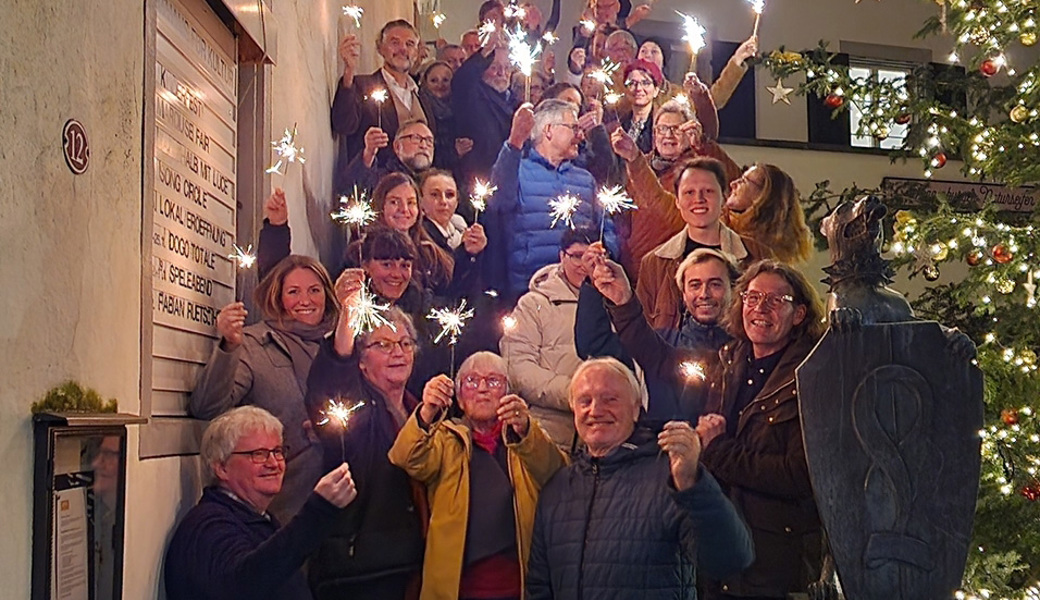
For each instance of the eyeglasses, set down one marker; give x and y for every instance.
(387, 346)
(639, 83)
(494, 382)
(574, 127)
(667, 130)
(771, 301)
(418, 139)
(574, 255)
(259, 456)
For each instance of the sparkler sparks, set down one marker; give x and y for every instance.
(615, 199)
(482, 190)
(563, 209)
(286, 149)
(485, 32)
(366, 313)
(451, 321)
(438, 20)
(514, 11)
(612, 98)
(356, 210)
(693, 32)
(508, 323)
(245, 259)
(605, 74)
(692, 370)
(337, 411)
(682, 100)
(354, 12)
(521, 53)
(587, 25)
(550, 38)
(757, 6)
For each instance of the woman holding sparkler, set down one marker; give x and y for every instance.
(375, 549)
(266, 365)
(483, 473)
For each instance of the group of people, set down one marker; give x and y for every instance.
(619, 419)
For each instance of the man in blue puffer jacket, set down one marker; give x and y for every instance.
(520, 219)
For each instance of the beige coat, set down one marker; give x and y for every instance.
(540, 351)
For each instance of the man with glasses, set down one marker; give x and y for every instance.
(752, 438)
(355, 112)
(539, 348)
(482, 472)
(529, 179)
(229, 546)
(412, 154)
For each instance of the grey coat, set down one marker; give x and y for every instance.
(260, 372)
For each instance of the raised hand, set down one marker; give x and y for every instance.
(523, 125)
(683, 446)
(337, 486)
(474, 240)
(611, 281)
(375, 140)
(746, 50)
(709, 427)
(350, 52)
(436, 397)
(230, 321)
(275, 209)
(624, 146)
(463, 146)
(513, 412)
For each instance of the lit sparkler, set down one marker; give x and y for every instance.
(354, 12)
(508, 323)
(613, 200)
(588, 26)
(379, 96)
(514, 11)
(338, 412)
(366, 314)
(482, 191)
(757, 6)
(550, 38)
(612, 98)
(523, 56)
(563, 209)
(682, 100)
(605, 73)
(438, 20)
(692, 370)
(286, 149)
(451, 321)
(693, 33)
(245, 259)
(355, 210)
(487, 29)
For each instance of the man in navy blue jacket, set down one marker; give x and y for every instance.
(228, 547)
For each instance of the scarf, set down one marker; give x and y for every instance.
(488, 441)
(660, 165)
(302, 341)
(440, 108)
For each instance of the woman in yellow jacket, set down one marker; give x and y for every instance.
(483, 473)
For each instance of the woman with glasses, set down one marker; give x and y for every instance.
(752, 437)
(266, 364)
(483, 472)
(764, 208)
(642, 82)
(375, 547)
(538, 346)
(228, 545)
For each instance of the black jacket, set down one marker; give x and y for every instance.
(616, 527)
(223, 550)
(375, 547)
(482, 114)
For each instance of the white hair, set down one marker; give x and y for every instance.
(634, 389)
(547, 112)
(482, 361)
(224, 432)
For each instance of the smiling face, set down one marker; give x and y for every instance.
(303, 296)
(438, 80)
(414, 147)
(498, 73)
(440, 198)
(257, 484)
(389, 276)
(605, 412)
(480, 391)
(769, 327)
(706, 290)
(699, 199)
(669, 142)
(745, 189)
(386, 359)
(561, 139)
(573, 269)
(401, 208)
(640, 88)
(399, 49)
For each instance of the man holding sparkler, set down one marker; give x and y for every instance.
(361, 100)
(229, 547)
(483, 473)
(413, 152)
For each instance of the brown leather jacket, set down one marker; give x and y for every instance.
(764, 470)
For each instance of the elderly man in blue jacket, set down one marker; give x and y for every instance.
(635, 515)
(521, 218)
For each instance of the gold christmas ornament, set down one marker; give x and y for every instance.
(940, 251)
(1005, 286)
(1019, 114)
(1028, 38)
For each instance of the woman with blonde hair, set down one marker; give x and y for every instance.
(266, 365)
(764, 207)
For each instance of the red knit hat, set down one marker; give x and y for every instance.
(647, 67)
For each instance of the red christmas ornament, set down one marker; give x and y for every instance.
(1009, 416)
(833, 101)
(1032, 492)
(939, 160)
(989, 67)
(904, 118)
(974, 258)
(1001, 254)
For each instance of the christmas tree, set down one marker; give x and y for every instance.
(984, 114)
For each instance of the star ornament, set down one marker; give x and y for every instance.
(780, 93)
